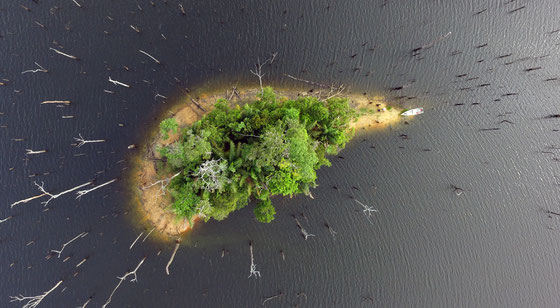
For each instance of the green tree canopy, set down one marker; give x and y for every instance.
(264, 148)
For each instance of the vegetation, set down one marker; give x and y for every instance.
(168, 125)
(264, 148)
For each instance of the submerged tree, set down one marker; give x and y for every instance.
(267, 147)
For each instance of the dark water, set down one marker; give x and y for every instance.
(493, 246)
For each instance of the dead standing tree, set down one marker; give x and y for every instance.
(253, 269)
(258, 69)
(33, 301)
(121, 279)
(163, 184)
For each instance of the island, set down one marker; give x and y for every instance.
(216, 153)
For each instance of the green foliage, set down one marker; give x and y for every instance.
(264, 211)
(258, 150)
(168, 125)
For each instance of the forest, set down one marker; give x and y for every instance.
(234, 154)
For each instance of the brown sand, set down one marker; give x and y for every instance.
(155, 207)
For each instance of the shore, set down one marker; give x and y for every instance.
(154, 203)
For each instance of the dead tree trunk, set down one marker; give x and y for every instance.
(81, 235)
(253, 269)
(304, 232)
(136, 240)
(46, 193)
(64, 54)
(149, 55)
(83, 141)
(80, 193)
(33, 301)
(121, 279)
(177, 244)
(118, 83)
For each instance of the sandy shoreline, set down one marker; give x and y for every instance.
(155, 207)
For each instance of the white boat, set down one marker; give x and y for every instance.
(413, 112)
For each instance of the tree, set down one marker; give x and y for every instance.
(168, 125)
(264, 211)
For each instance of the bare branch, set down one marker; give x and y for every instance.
(253, 269)
(27, 200)
(118, 83)
(80, 193)
(334, 91)
(147, 54)
(40, 69)
(81, 235)
(121, 279)
(82, 141)
(64, 54)
(33, 301)
(211, 173)
(172, 257)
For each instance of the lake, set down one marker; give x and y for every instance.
(487, 75)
